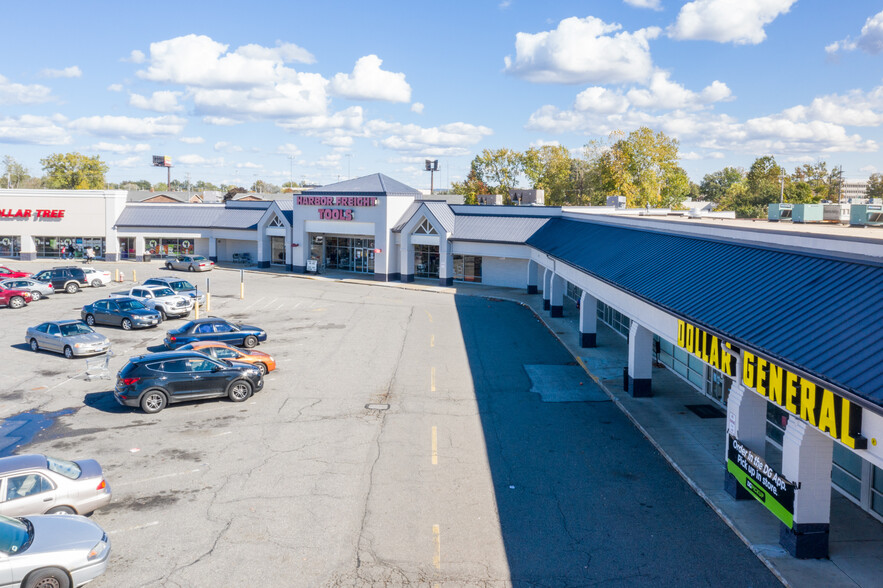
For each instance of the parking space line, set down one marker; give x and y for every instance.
(432, 379)
(436, 558)
(429, 315)
(432, 341)
(144, 526)
(434, 445)
(163, 477)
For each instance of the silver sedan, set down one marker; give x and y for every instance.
(73, 338)
(51, 550)
(36, 484)
(192, 263)
(37, 289)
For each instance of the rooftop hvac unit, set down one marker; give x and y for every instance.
(777, 212)
(808, 213)
(861, 215)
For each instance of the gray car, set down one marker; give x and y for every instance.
(73, 338)
(37, 289)
(191, 263)
(36, 484)
(51, 551)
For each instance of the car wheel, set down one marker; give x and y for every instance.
(162, 315)
(153, 401)
(96, 283)
(72, 288)
(68, 352)
(35, 295)
(126, 324)
(239, 391)
(34, 345)
(168, 265)
(16, 302)
(250, 341)
(90, 320)
(190, 269)
(61, 510)
(48, 578)
(263, 367)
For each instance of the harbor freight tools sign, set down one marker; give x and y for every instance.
(825, 410)
(336, 213)
(765, 484)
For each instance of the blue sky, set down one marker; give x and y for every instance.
(320, 91)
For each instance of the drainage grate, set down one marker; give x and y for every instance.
(377, 406)
(706, 411)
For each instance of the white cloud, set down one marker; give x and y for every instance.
(450, 139)
(601, 100)
(662, 93)
(339, 141)
(652, 4)
(118, 148)
(221, 121)
(35, 130)
(194, 159)
(727, 21)
(417, 107)
(350, 118)
(128, 162)
(129, 127)
(284, 52)
(11, 93)
(288, 149)
(330, 160)
(136, 56)
(68, 72)
(192, 140)
(227, 147)
(115, 88)
(249, 165)
(544, 143)
(504, 4)
(855, 108)
(369, 82)
(870, 40)
(868, 169)
(162, 101)
(305, 96)
(584, 50)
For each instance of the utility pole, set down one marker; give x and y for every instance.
(782, 193)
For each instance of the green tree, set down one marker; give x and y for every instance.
(817, 179)
(549, 168)
(73, 171)
(498, 169)
(764, 183)
(715, 185)
(262, 187)
(875, 186)
(471, 187)
(15, 173)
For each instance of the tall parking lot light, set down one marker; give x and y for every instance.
(431, 167)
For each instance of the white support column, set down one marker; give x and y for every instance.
(213, 249)
(139, 248)
(556, 297)
(640, 361)
(532, 278)
(547, 288)
(446, 261)
(588, 320)
(746, 421)
(406, 258)
(807, 457)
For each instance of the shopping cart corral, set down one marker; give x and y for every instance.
(98, 368)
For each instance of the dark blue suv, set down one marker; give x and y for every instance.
(159, 379)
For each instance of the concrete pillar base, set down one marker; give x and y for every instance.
(446, 282)
(28, 256)
(111, 257)
(734, 488)
(640, 387)
(264, 264)
(547, 304)
(805, 540)
(299, 269)
(556, 311)
(214, 258)
(532, 290)
(588, 340)
(407, 277)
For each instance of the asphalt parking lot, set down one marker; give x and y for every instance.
(399, 442)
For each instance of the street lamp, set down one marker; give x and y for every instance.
(431, 167)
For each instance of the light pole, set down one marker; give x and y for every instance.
(291, 171)
(431, 167)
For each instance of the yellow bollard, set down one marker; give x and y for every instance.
(116, 274)
(196, 309)
(208, 302)
(134, 279)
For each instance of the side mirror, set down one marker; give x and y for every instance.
(216, 368)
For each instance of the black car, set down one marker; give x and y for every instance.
(182, 287)
(214, 329)
(128, 313)
(69, 279)
(156, 380)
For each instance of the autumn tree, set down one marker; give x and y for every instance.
(714, 186)
(875, 186)
(498, 169)
(472, 186)
(73, 171)
(549, 168)
(15, 173)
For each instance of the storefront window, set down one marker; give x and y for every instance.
(68, 247)
(426, 261)
(351, 254)
(127, 248)
(277, 250)
(10, 246)
(166, 247)
(467, 268)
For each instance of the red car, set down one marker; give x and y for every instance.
(5, 272)
(14, 298)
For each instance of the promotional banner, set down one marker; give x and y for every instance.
(765, 484)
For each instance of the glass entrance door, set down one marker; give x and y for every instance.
(277, 250)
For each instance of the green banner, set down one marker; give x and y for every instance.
(764, 483)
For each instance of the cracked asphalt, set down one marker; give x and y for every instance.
(303, 485)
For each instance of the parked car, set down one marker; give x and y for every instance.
(160, 298)
(182, 287)
(191, 263)
(128, 313)
(71, 337)
(214, 329)
(13, 297)
(36, 484)
(69, 279)
(5, 272)
(153, 381)
(219, 350)
(50, 551)
(97, 277)
(37, 289)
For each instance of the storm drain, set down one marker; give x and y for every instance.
(377, 406)
(706, 411)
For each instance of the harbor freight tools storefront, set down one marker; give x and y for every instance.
(37, 224)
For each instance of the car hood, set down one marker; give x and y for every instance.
(249, 328)
(63, 533)
(141, 312)
(16, 292)
(16, 275)
(87, 338)
(89, 468)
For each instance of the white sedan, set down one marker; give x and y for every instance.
(191, 263)
(97, 277)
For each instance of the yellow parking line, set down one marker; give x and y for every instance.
(432, 379)
(434, 446)
(429, 315)
(432, 341)
(436, 559)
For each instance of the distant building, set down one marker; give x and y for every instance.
(855, 189)
(518, 196)
(489, 199)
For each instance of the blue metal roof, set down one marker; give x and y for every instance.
(807, 311)
(496, 229)
(189, 216)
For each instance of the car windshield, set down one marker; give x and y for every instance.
(68, 469)
(199, 258)
(14, 535)
(130, 305)
(183, 286)
(71, 329)
(162, 292)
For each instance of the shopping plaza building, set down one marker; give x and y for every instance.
(771, 321)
